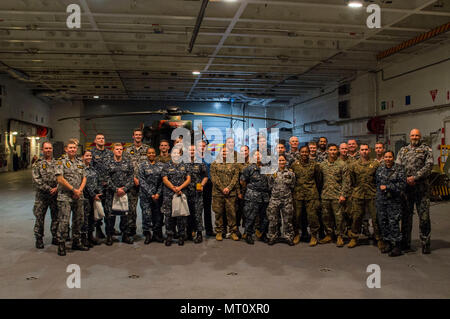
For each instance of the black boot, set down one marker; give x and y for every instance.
(148, 237)
(396, 250)
(387, 248)
(264, 238)
(198, 238)
(92, 240)
(55, 241)
(181, 241)
(117, 233)
(99, 232)
(39, 243)
(210, 233)
(168, 240)
(158, 236)
(109, 240)
(78, 245)
(62, 249)
(85, 241)
(127, 239)
(290, 242)
(406, 247)
(249, 239)
(426, 249)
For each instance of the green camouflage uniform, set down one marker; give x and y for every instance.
(362, 176)
(306, 194)
(347, 205)
(336, 183)
(44, 180)
(224, 175)
(418, 162)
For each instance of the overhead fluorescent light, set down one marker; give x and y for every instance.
(14, 133)
(96, 97)
(355, 4)
(196, 73)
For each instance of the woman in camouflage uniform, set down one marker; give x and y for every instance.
(281, 203)
(391, 182)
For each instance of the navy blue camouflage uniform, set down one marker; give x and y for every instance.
(198, 171)
(120, 174)
(389, 201)
(92, 188)
(150, 182)
(100, 162)
(256, 198)
(177, 174)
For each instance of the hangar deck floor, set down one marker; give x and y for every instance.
(212, 269)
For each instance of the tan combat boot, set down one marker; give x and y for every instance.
(235, 237)
(353, 243)
(219, 236)
(244, 236)
(340, 242)
(313, 242)
(296, 239)
(258, 234)
(381, 245)
(326, 240)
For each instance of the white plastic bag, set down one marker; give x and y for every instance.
(120, 204)
(99, 213)
(180, 206)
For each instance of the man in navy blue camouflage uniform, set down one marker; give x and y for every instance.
(257, 197)
(199, 177)
(417, 158)
(150, 182)
(101, 156)
(119, 181)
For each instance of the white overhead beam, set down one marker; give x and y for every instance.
(230, 27)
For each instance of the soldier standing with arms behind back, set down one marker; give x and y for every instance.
(137, 154)
(101, 156)
(224, 177)
(44, 181)
(199, 177)
(417, 159)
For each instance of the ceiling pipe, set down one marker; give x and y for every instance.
(198, 24)
(415, 111)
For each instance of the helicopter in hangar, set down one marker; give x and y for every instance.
(162, 129)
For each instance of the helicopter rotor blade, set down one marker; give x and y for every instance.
(235, 115)
(101, 116)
